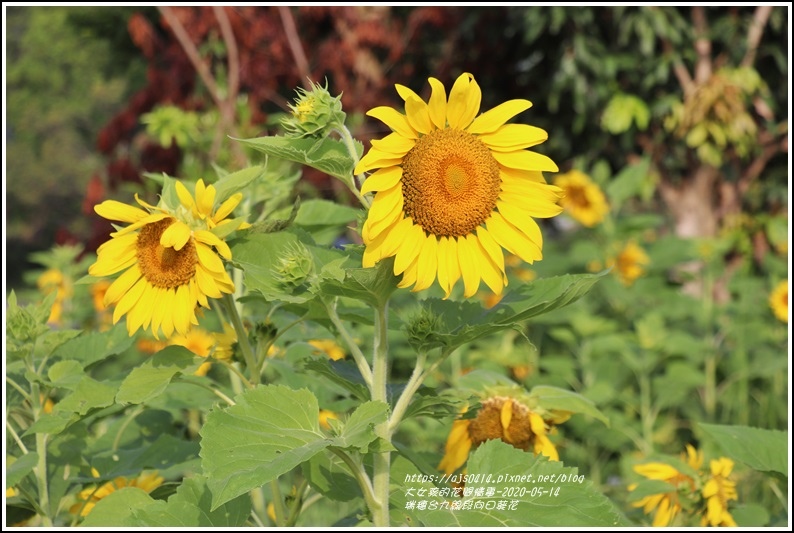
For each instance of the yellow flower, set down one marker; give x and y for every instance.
(667, 504)
(328, 347)
(629, 263)
(454, 188)
(54, 280)
(326, 415)
(718, 490)
(583, 199)
(90, 496)
(778, 300)
(167, 258)
(498, 418)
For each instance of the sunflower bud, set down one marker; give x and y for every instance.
(294, 266)
(422, 329)
(315, 113)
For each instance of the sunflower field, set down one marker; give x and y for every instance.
(374, 266)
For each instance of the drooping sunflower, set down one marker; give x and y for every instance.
(170, 259)
(90, 496)
(502, 418)
(583, 200)
(454, 188)
(667, 504)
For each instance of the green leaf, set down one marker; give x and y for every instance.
(649, 487)
(52, 423)
(164, 453)
(359, 430)
(546, 494)
(325, 154)
(152, 377)
(191, 507)
(325, 220)
(88, 394)
(343, 373)
(329, 476)
(269, 431)
(18, 468)
(92, 347)
(765, 450)
(117, 508)
(236, 182)
(66, 374)
(466, 321)
(750, 515)
(371, 285)
(554, 398)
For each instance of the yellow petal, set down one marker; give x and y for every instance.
(208, 259)
(185, 198)
(182, 309)
(395, 237)
(227, 207)
(437, 107)
(514, 137)
(383, 179)
(122, 285)
(506, 414)
(453, 262)
(512, 239)
(418, 116)
(205, 199)
(494, 118)
(207, 237)
(532, 206)
(113, 210)
(490, 274)
(385, 207)
(469, 266)
(464, 101)
(394, 120)
(377, 159)
(493, 250)
(394, 143)
(158, 309)
(521, 221)
(521, 175)
(175, 236)
(129, 299)
(525, 160)
(443, 269)
(206, 283)
(532, 190)
(408, 252)
(427, 264)
(409, 275)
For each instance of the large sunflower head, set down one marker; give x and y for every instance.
(454, 188)
(169, 259)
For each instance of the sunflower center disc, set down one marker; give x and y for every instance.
(488, 424)
(164, 267)
(578, 196)
(450, 183)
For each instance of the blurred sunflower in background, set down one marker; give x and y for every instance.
(169, 258)
(583, 201)
(90, 496)
(778, 301)
(629, 263)
(454, 188)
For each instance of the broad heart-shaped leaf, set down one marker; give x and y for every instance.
(269, 431)
(152, 377)
(765, 450)
(236, 182)
(190, 507)
(344, 373)
(88, 394)
(163, 454)
(358, 430)
(466, 321)
(325, 220)
(92, 347)
(116, 509)
(329, 476)
(554, 398)
(534, 492)
(18, 468)
(371, 285)
(326, 154)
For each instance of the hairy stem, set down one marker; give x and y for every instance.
(381, 462)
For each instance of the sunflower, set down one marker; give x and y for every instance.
(583, 199)
(502, 418)
(170, 259)
(717, 491)
(454, 188)
(90, 496)
(204, 343)
(54, 280)
(629, 263)
(328, 347)
(667, 504)
(778, 300)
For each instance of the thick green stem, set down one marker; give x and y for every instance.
(242, 339)
(381, 462)
(40, 471)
